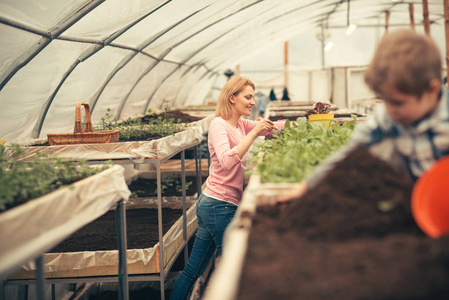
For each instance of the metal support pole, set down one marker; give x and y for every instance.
(23, 292)
(200, 169)
(40, 278)
(53, 292)
(184, 207)
(323, 62)
(2, 289)
(446, 30)
(425, 13)
(161, 236)
(120, 214)
(412, 16)
(208, 153)
(198, 183)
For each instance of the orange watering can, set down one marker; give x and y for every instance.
(430, 200)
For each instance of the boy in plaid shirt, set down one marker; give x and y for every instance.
(411, 129)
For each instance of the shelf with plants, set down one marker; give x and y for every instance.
(91, 252)
(144, 263)
(351, 237)
(47, 198)
(178, 115)
(127, 152)
(136, 154)
(293, 111)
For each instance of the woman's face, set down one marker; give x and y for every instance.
(243, 102)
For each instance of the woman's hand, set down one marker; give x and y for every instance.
(263, 125)
(295, 193)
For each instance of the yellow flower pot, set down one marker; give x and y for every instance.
(322, 118)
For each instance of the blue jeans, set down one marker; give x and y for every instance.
(213, 218)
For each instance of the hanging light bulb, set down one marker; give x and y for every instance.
(328, 46)
(350, 28)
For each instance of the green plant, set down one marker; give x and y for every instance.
(22, 180)
(319, 108)
(133, 129)
(292, 155)
(168, 183)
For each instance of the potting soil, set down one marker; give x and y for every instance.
(172, 114)
(142, 224)
(142, 231)
(148, 187)
(351, 237)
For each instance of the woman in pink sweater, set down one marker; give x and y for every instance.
(230, 138)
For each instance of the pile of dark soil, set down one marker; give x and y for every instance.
(172, 114)
(351, 237)
(142, 231)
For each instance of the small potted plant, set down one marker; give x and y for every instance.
(320, 113)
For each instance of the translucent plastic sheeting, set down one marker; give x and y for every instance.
(14, 43)
(158, 20)
(148, 82)
(85, 79)
(192, 27)
(339, 88)
(309, 85)
(40, 14)
(135, 151)
(201, 90)
(103, 263)
(192, 77)
(46, 69)
(167, 90)
(35, 227)
(43, 75)
(270, 26)
(232, 16)
(320, 90)
(357, 88)
(116, 91)
(110, 17)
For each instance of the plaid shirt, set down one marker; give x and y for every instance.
(419, 145)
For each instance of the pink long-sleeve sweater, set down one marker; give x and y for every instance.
(225, 181)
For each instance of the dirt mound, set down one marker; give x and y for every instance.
(351, 237)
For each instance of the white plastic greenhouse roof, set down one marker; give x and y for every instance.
(130, 55)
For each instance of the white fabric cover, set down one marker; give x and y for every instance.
(53, 217)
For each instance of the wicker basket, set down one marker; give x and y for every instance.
(83, 136)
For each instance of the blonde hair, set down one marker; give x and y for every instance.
(406, 61)
(234, 86)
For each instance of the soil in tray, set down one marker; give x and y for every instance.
(175, 114)
(293, 118)
(142, 231)
(171, 186)
(351, 237)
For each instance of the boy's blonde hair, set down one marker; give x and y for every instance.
(406, 61)
(234, 86)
